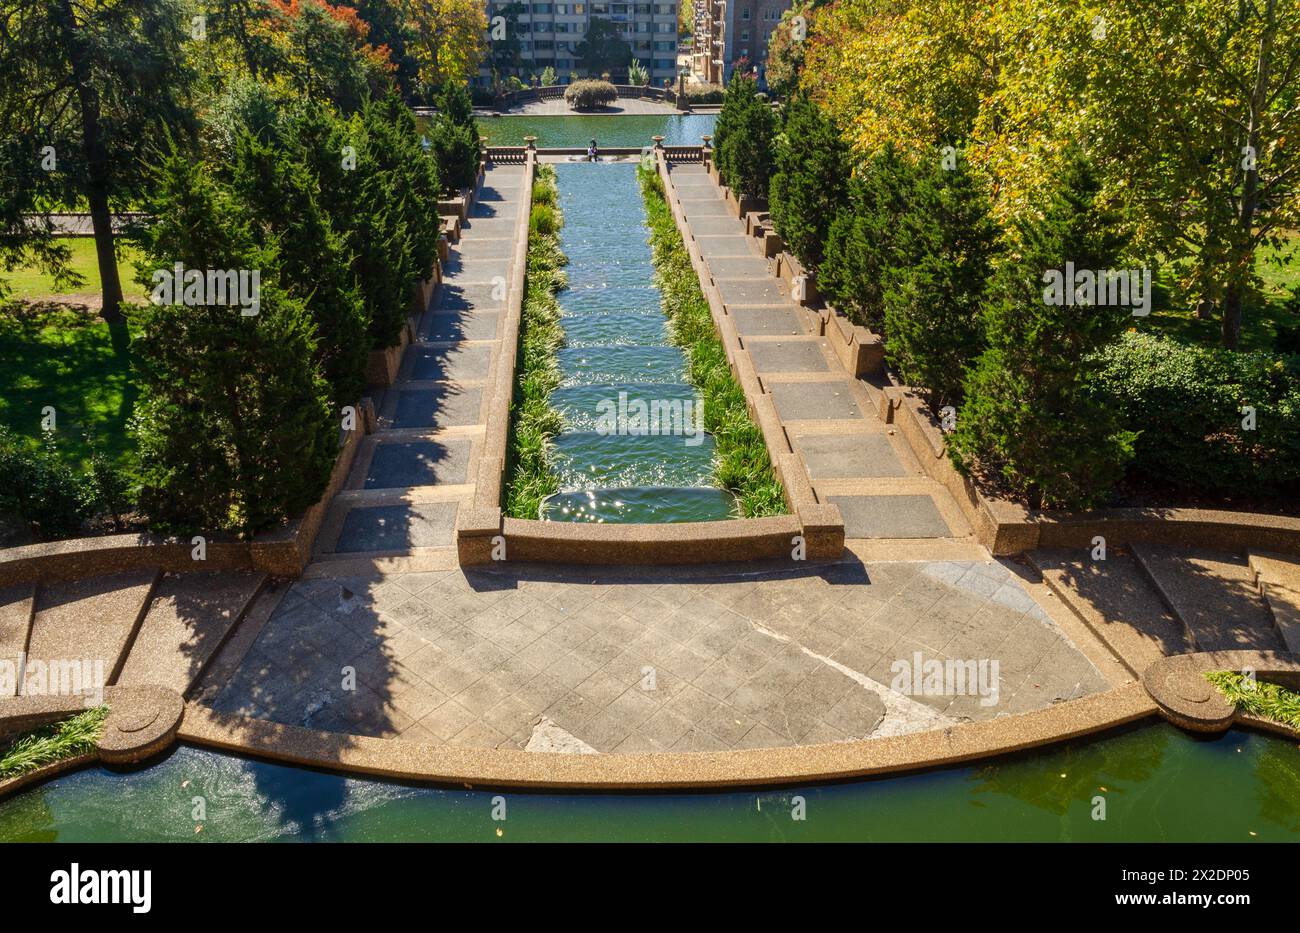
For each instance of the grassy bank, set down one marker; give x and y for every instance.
(48, 744)
(32, 282)
(743, 464)
(533, 421)
(1258, 698)
(76, 364)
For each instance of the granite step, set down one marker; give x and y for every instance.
(1115, 599)
(191, 616)
(16, 604)
(91, 622)
(1278, 577)
(1214, 593)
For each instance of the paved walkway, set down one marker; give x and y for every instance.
(608, 659)
(853, 459)
(410, 475)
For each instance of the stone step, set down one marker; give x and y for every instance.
(1214, 593)
(16, 604)
(1278, 577)
(90, 622)
(1115, 599)
(190, 618)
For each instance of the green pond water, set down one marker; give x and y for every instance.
(1159, 785)
(633, 447)
(614, 130)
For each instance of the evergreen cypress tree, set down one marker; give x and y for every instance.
(932, 300)
(733, 102)
(453, 102)
(280, 195)
(368, 207)
(747, 144)
(810, 180)
(233, 422)
(862, 249)
(1028, 419)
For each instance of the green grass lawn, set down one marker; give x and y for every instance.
(30, 282)
(1280, 271)
(75, 363)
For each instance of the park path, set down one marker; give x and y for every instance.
(412, 473)
(852, 458)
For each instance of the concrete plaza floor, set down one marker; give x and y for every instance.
(609, 659)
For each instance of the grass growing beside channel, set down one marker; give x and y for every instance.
(1258, 697)
(534, 422)
(45, 745)
(743, 467)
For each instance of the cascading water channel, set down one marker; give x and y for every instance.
(633, 448)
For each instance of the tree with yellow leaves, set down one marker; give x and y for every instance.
(449, 38)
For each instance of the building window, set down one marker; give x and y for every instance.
(744, 14)
(744, 36)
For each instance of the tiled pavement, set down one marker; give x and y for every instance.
(409, 476)
(853, 459)
(645, 660)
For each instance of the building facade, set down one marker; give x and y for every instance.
(728, 31)
(548, 34)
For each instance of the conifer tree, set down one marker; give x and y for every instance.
(810, 180)
(233, 421)
(280, 196)
(1028, 421)
(862, 251)
(932, 299)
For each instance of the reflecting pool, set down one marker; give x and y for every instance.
(1158, 784)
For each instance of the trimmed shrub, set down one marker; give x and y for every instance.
(705, 93)
(233, 421)
(932, 300)
(1185, 405)
(590, 94)
(40, 487)
(1029, 423)
(809, 186)
(862, 250)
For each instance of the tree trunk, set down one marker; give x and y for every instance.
(1243, 248)
(98, 182)
(1232, 298)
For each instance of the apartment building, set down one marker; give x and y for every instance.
(549, 34)
(730, 30)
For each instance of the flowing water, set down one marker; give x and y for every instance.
(633, 447)
(567, 132)
(1159, 784)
